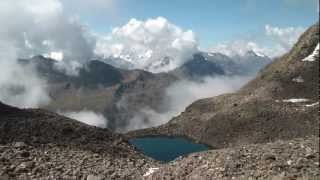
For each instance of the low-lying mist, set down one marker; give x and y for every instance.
(180, 95)
(87, 117)
(20, 85)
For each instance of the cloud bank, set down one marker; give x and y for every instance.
(180, 95)
(19, 86)
(33, 27)
(146, 44)
(39, 27)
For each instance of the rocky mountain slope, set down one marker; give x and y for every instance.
(38, 144)
(273, 106)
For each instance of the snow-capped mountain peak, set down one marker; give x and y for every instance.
(252, 53)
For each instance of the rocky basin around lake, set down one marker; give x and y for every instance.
(274, 111)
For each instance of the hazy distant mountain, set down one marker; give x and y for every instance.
(118, 62)
(204, 64)
(251, 62)
(199, 67)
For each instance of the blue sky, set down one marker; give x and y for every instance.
(213, 21)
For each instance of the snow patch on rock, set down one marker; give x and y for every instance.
(298, 79)
(150, 171)
(295, 100)
(311, 105)
(314, 55)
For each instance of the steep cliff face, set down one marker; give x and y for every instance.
(281, 103)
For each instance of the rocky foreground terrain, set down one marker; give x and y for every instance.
(36, 144)
(294, 159)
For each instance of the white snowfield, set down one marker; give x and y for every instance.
(313, 104)
(299, 100)
(295, 100)
(150, 171)
(314, 55)
(260, 54)
(298, 79)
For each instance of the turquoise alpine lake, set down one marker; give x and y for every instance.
(166, 148)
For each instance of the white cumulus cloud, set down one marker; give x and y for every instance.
(285, 37)
(35, 27)
(147, 43)
(238, 47)
(280, 39)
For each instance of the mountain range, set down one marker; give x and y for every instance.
(112, 88)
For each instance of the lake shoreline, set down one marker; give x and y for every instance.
(166, 149)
